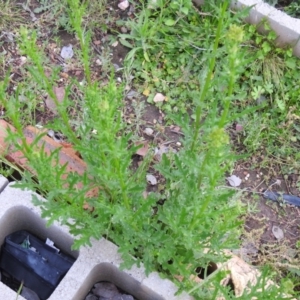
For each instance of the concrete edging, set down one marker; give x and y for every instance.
(286, 27)
(99, 262)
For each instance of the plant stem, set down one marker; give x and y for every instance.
(204, 90)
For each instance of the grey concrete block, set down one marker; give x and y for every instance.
(99, 262)
(3, 183)
(153, 280)
(8, 294)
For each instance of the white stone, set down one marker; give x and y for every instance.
(123, 5)
(159, 97)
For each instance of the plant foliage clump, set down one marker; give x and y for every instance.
(197, 219)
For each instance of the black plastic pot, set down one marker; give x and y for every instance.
(29, 260)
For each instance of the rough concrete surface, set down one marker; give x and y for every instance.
(99, 262)
(8, 294)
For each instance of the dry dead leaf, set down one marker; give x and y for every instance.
(241, 274)
(64, 75)
(234, 180)
(144, 149)
(146, 92)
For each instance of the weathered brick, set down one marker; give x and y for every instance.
(67, 155)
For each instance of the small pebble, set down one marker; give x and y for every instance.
(23, 60)
(123, 5)
(123, 29)
(105, 290)
(148, 131)
(115, 44)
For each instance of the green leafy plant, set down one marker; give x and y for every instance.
(196, 220)
(293, 9)
(55, 13)
(270, 82)
(163, 39)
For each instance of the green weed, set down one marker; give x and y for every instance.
(143, 229)
(197, 220)
(269, 82)
(168, 57)
(55, 13)
(293, 9)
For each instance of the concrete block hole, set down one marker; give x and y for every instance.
(106, 272)
(22, 218)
